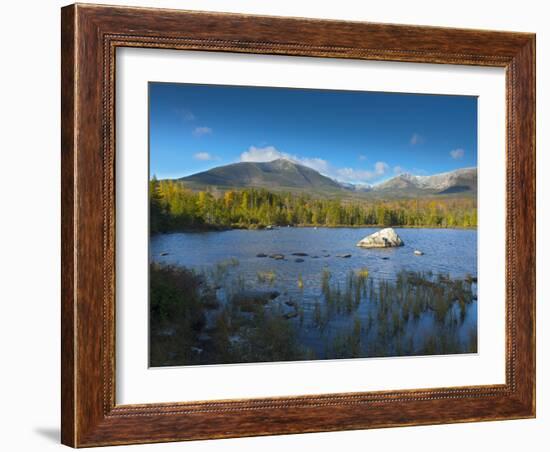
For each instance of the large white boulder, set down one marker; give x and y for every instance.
(384, 238)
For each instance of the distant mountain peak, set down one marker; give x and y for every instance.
(281, 173)
(283, 162)
(460, 180)
(406, 176)
(289, 175)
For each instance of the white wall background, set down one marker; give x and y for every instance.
(30, 264)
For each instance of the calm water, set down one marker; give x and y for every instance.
(447, 251)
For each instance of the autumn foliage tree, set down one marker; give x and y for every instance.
(175, 207)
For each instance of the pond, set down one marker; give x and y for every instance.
(317, 266)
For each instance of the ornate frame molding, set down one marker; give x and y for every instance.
(90, 37)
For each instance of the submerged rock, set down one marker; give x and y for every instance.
(203, 337)
(345, 256)
(299, 254)
(167, 332)
(252, 300)
(254, 296)
(298, 260)
(261, 255)
(384, 238)
(277, 257)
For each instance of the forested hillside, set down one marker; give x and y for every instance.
(173, 207)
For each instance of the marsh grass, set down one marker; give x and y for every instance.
(267, 277)
(197, 318)
(241, 330)
(219, 272)
(344, 299)
(300, 282)
(394, 313)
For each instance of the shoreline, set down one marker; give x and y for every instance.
(303, 226)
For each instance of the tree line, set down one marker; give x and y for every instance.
(175, 207)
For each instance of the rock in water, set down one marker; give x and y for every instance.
(384, 238)
(277, 257)
(418, 252)
(247, 300)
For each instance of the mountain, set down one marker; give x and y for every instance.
(286, 175)
(280, 174)
(462, 180)
(360, 188)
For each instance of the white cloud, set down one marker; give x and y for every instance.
(457, 153)
(416, 138)
(380, 168)
(265, 154)
(360, 175)
(317, 164)
(398, 170)
(187, 115)
(362, 157)
(183, 113)
(204, 156)
(200, 131)
(354, 175)
(270, 153)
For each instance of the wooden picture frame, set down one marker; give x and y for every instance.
(90, 36)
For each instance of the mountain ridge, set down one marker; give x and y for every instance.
(459, 180)
(274, 174)
(284, 174)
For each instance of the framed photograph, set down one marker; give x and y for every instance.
(281, 225)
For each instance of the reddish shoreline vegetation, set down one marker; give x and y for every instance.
(174, 207)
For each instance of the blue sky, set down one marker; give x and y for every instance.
(351, 136)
